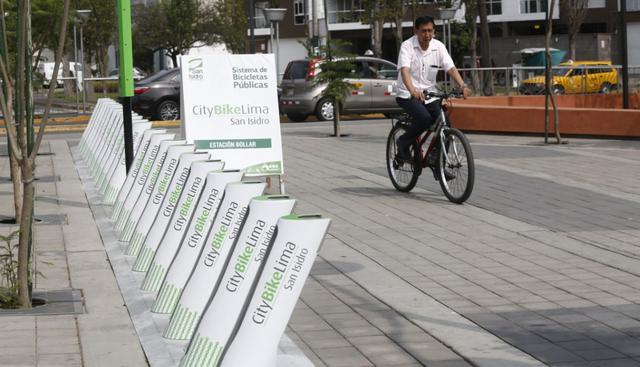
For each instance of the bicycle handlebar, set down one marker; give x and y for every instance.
(445, 95)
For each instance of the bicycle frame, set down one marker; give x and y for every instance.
(442, 124)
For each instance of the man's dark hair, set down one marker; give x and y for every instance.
(424, 20)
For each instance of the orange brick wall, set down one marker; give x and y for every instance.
(525, 114)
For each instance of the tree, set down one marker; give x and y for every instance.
(100, 32)
(335, 68)
(396, 11)
(548, 75)
(176, 26)
(485, 48)
(576, 12)
(375, 13)
(16, 107)
(470, 17)
(233, 24)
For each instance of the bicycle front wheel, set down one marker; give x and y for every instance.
(456, 170)
(403, 174)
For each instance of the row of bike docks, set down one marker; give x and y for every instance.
(225, 263)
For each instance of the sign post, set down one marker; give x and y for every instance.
(126, 75)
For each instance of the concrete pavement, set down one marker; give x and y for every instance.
(540, 267)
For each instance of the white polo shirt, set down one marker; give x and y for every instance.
(423, 65)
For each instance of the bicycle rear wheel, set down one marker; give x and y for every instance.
(457, 177)
(403, 175)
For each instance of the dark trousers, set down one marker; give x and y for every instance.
(424, 115)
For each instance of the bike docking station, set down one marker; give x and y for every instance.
(207, 263)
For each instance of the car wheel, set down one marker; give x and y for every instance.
(168, 110)
(296, 117)
(558, 89)
(324, 110)
(605, 88)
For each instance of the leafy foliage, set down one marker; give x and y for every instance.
(176, 26)
(233, 24)
(337, 67)
(100, 31)
(9, 271)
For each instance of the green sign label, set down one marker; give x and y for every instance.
(233, 144)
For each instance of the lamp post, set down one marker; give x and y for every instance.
(81, 17)
(252, 26)
(275, 15)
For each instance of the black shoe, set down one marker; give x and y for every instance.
(403, 153)
(447, 175)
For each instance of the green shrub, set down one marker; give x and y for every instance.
(112, 86)
(9, 271)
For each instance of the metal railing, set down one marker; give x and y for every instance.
(579, 79)
(92, 88)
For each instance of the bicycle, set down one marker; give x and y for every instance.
(457, 177)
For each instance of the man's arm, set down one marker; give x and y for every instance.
(406, 79)
(455, 75)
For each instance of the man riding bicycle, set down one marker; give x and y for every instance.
(420, 58)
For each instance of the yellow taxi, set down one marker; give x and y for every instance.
(576, 77)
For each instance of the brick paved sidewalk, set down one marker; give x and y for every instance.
(541, 266)
(545, 255)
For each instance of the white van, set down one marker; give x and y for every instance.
(46, 70)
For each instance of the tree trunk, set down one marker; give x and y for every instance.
(103, 60)
(25, 234)
(398, 32)
(485, 48)
(572, 45)
(16, 179)
(174, 59)
(336, 118)
(548, 78)
(88, 87)
(69, 85)
(475, 78)
(376, 28)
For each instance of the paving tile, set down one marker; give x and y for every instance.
(343, 357)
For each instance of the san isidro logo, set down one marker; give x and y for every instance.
(196, 69)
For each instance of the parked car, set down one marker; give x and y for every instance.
(576, 77)
(137, 73)
(158, 96)
(374, 89)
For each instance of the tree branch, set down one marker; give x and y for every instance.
(4, 34)
(8, 120)
(54, 77)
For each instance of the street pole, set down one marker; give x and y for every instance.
(84, 92)
(277, 51)
(625, 55)
(126, 76)
(75, 64)
(252, 26)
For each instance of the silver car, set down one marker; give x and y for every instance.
(374, 89)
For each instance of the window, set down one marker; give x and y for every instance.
(532, 6)
(358, 70)
(299, 13)
(345, 11)
(296, 70)
(578, 71)
(494, 7)
(382, 70)
(597, 3)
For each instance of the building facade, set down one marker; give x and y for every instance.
(514, 25)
